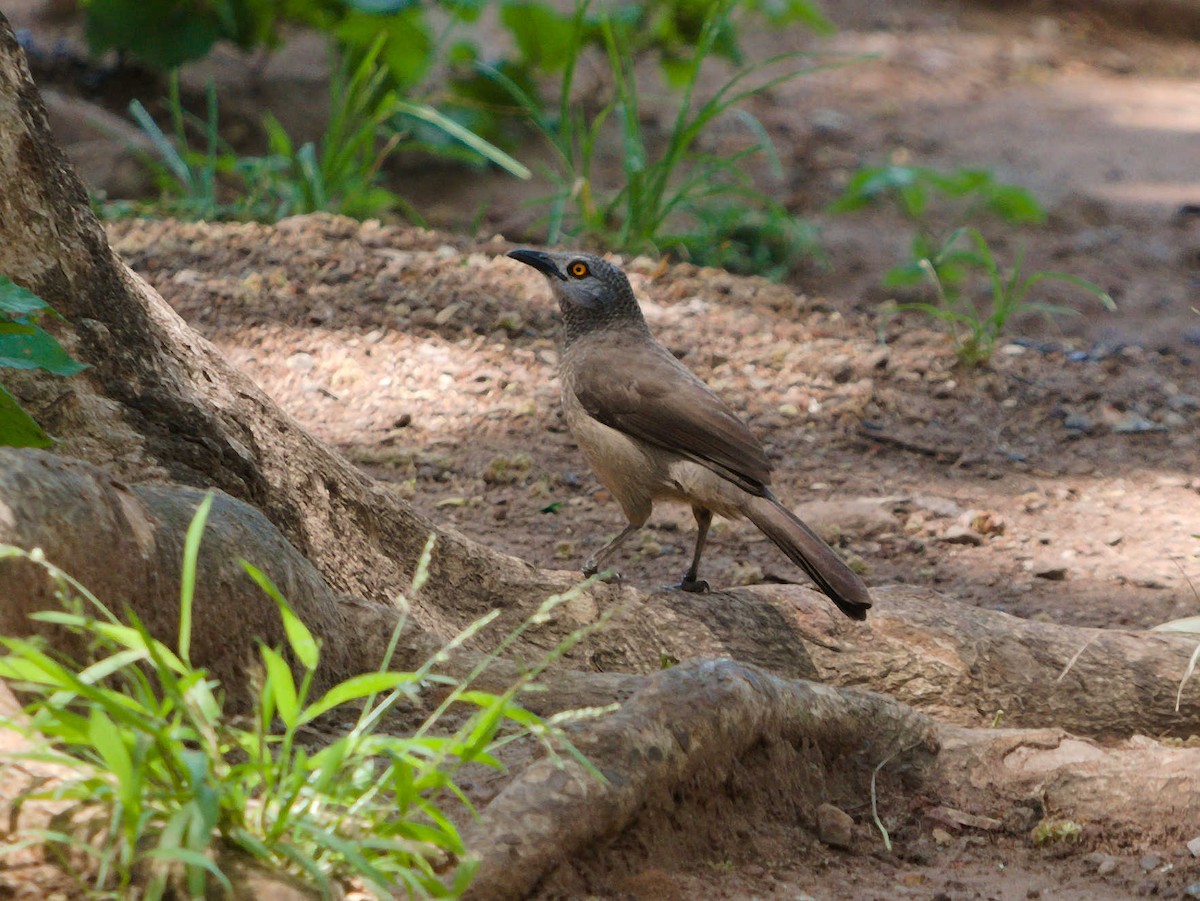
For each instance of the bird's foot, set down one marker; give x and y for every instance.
(692, 586)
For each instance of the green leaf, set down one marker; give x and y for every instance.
(187, 579)
(379, 7)
(786, 12)
(282, 686)
(1016, 205)
(17, 428)
(37, 350)
(904, 276)
(544, 37)
(18, 302)
(109, 744)
(303, 645)
(355, 687)
(1091, 287)
(165, 35)
(192, 858)
(407, 47)
(484, 148)
(464, 10)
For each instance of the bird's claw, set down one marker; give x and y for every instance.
(692, 586)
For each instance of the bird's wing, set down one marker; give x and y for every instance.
(642, 390)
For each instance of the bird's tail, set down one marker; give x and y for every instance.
(806, 549)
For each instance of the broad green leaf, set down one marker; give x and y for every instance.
(1016, 205)
(407, 47)
(17, 428)
(37, 350)
(18, 302)
(544, 36)
(164, 35)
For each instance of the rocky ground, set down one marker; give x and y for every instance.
(1059, 483)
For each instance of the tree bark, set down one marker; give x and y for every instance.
(686, 731)
(961, 664)
(160, 401)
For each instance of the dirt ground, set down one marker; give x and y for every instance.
(1060, 483)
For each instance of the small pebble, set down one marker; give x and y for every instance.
(959, 534)
(834, 826)
(1194, 846)
(1149, 861)
(1077, 422)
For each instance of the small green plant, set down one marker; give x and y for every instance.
(1054, 830)
(970, 193)
(189, 180)
(769, 241)
(667, 196)
(976, 327)
(159, 781)
(26, 345)
(341, 173)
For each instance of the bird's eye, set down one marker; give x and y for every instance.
(578, 269)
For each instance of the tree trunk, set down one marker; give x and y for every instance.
(159, 401)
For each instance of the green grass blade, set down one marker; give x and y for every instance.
(301, 640)
(187, 579)
(484, 148)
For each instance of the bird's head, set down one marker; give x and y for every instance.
(591, 292)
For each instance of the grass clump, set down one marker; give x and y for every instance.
(976, 326)
(1054, 830)
(342, 172)
(951, 263)
(160, 783)
(677, 198)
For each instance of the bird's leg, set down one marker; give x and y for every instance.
(691, 580)
(596, 563)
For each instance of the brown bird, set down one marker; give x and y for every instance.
(651, 430)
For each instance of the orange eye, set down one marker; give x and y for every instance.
(578, 269)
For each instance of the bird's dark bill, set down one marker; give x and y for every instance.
(540, 261)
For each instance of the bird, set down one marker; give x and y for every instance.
(652, 430)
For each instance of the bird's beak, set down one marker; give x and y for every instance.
(540, 261)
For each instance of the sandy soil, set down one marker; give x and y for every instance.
(1060, 483)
